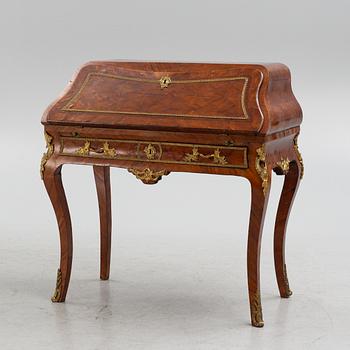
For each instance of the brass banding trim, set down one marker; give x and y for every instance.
(178, 81)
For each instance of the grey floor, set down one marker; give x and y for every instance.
(178, 278)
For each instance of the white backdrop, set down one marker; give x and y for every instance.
(178, 276)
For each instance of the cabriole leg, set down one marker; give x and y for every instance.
(290, 186)
(260, 189)
(259, 200)
(53, 183)
(103, 187)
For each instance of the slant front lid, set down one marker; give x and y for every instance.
(162, 96)
(165, 96)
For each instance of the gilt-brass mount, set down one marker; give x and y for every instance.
(164, 82)
(57, 294)
(46, 156)
(261, 167)
(148, 176)
(256, 311)
(283, 164)
(195, 156)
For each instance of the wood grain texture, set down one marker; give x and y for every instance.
(93, 98)
(55, 190)
(103, 188)
(290, 187)
(259, 200)
(154, 119)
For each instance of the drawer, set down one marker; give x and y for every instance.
(158, 152)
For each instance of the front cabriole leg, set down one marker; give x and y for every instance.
(260, 189)
(51, 174)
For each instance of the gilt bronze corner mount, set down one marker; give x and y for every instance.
(261, 168)
(46, 156)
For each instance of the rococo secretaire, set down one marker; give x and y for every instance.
(157, 118)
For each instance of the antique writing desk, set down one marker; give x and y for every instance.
(156, 118)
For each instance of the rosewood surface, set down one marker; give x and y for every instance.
(156, 118)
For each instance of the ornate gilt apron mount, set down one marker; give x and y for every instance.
(148, 176)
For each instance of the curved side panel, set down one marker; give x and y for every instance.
(278, 102)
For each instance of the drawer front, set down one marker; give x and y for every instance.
(158, 152)
(114, 96)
